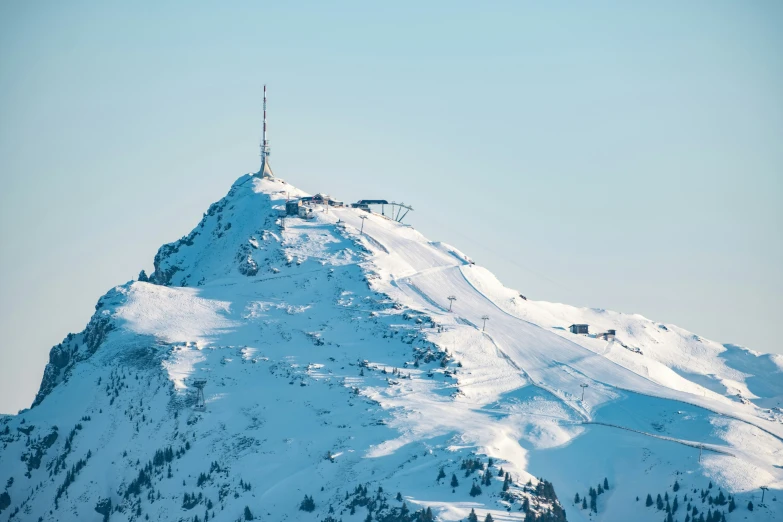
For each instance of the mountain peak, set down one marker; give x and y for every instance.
(353, 369)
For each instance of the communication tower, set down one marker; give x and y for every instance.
(265, 171)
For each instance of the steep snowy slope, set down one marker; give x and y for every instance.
(341, 387)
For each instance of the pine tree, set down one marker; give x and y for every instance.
(441, 475)
(576, 499)
(750, 506)
(399, 496)
(489, 518)
(143, 277)
(593, 505)
(659, 502)
(675, 505)
(584, 503)
(732, 505)
(676, 486)
(475, 490)
(454, 481)
(649, 501)
(308, 504)
(472, 517)
(606, 483)
(248, 514)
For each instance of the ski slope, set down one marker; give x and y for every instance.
(427, 276)
(333, 363)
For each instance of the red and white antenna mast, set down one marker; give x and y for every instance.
(264, 142)
(265, 171)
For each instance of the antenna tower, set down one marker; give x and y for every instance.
(265, 171)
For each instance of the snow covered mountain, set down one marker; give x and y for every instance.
(342, 383)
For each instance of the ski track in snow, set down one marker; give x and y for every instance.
(596, 368)
(312, 388)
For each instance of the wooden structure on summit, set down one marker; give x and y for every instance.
(579, 329)
(304, 206)
(292, 207)
(608, 335)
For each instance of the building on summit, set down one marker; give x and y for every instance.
(579, 329)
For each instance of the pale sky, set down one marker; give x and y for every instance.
(621, 155)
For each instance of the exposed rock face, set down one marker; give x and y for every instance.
(229, 226)
(74, 348)
(247, 265)
(336, 371)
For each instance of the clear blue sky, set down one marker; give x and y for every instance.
(624, 155)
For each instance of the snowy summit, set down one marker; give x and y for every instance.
(331, 364)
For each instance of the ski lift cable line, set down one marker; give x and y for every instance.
(624, 369)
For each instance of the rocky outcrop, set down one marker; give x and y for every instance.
(63, 356)
(165, 265)
(247, 265)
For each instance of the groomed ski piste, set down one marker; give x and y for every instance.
(343, 384)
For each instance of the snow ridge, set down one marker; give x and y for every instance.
(341, 387)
